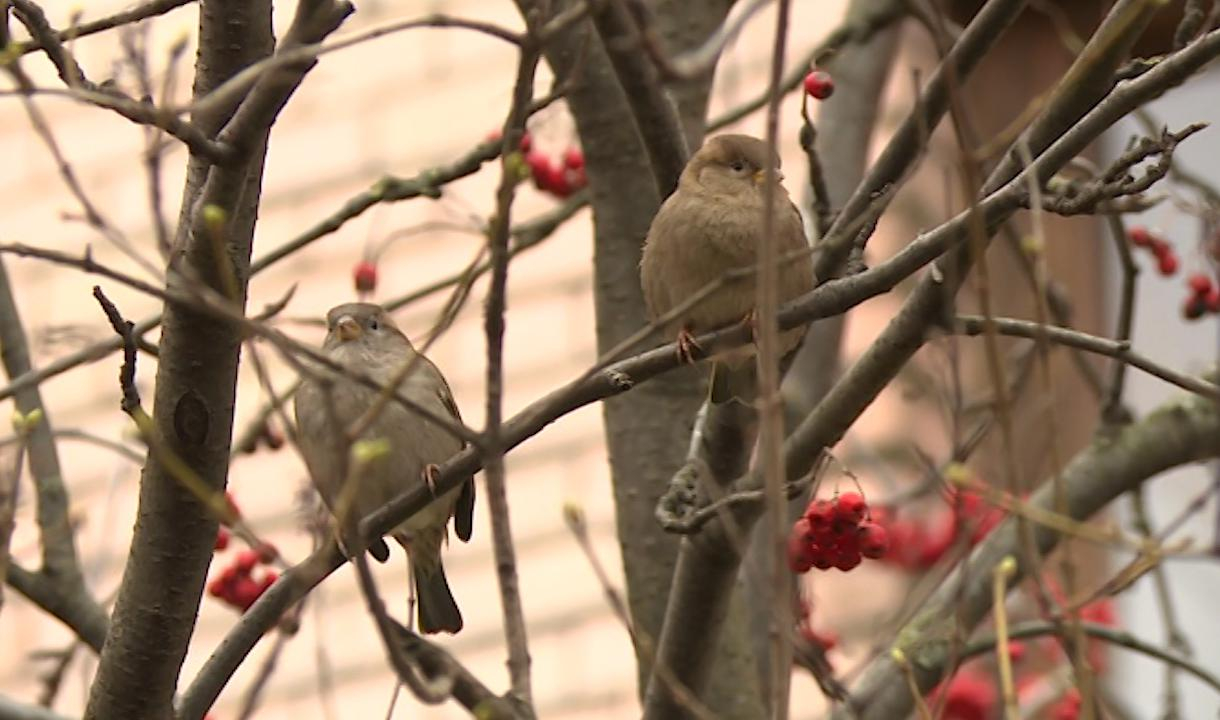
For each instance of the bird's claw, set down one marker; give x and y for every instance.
(751, 321)
(687, 347)
(431, 474)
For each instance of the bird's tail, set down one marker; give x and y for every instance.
(438, 611)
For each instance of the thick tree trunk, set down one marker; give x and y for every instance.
(647, 430)
(158, 600)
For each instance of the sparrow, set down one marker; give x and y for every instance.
(713, 224)
(363, 339)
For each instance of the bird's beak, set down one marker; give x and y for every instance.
(760, 177)
(348, 329)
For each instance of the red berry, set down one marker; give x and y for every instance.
(847, 540)
(557, 182)
(222, 539)
(245, 592)
(874, 540)
(1212, 300)
(527, 142)
(230, 574)
(217, 587)
(1016, 651)
(1068, 706)
(1139, 236)
(1200, 283)
(574, 159)
(269, 579)
(847, 560)
(1159, 247)
(365, 276)
(851, 507)
(802, 529)
(934, 544)
(246, 561)
(1100, 612)
(1167, 263)
(539, 165)
(820, 514)
(800, 554)
(1194, 307)
(819, 85)
(966, 504)
(984, 525)
(827, 640)
(575, 178)
(821, 558)
(968, 697)
(905, 537)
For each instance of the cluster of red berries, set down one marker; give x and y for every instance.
(968, 695)
(561, 178)
(819, 85)
(918, 546)
(364, 276)
(1204, 297)
(836, 533)
(1068, 707)
(236, 585)
(971, 693)
(1167, 262)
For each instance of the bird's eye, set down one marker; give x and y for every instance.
(373, 324)
(737, 166)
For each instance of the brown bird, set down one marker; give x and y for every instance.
(713, 224)
(363, 339)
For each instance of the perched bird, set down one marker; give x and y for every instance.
(363, 339)
(713, 224)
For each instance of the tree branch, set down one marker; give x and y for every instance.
(1181, 432)
(158, 599)
(1117, 349)
(494, 326)
(132, 15)
(58, 587)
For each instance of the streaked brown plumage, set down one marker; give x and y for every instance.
(363, 337)
(713, 224)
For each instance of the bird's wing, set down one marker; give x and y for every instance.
(463, 513)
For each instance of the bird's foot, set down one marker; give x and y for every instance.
(751, 321)
(687, 346)
(431, 474)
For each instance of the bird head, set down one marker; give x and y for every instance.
(360, 325)
(731, 164)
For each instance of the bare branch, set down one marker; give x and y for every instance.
(1181, 432)
(1117, 349)
(152, 8)
(58, 586)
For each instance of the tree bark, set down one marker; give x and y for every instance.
(648, 429)
(158, 600)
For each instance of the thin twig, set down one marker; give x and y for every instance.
(770, 403)
(493, 463)
(1102, 632)
(1121, 351)
(132, 15)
